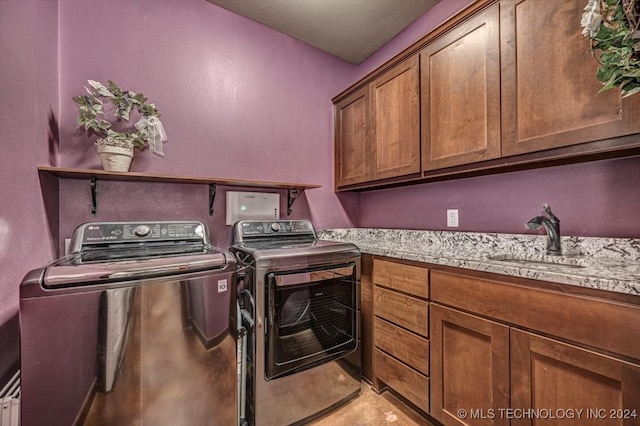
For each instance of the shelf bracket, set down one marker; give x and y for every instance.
(94, 196)
(292, 194)
(212, 197)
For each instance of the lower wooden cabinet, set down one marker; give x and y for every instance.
(570, 381)
(366, 315)
(479, 349)
(485, 370)
(469, 368)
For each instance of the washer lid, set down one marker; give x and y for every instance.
(74, 270)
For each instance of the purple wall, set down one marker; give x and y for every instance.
(591, 199)
(237, 99)
(29, 93)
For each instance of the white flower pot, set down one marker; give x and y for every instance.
(114, 158)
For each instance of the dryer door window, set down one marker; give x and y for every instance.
(311, 318)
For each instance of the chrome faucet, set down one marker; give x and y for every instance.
(552, 226)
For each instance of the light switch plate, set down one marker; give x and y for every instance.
(452, 218)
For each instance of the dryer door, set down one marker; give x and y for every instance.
(311, 318)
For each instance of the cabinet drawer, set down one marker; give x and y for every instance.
(403, 310)
(406, 346)
(599, 323)
(406, 278)
(406, 381)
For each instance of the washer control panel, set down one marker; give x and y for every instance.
(142, 230)
(114, 232)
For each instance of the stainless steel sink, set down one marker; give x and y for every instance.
(542, 261)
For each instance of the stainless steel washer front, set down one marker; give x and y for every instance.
(133, 327)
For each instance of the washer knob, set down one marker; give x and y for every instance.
(275, 227)
(142, 230)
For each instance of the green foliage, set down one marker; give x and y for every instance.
(91, 112)
(619, 62)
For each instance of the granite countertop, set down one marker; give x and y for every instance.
(611, 264)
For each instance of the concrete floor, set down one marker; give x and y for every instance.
(371, 409)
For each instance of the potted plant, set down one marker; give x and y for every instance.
(116, 148)
(614, 29)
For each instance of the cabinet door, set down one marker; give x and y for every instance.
(460, 79)
(550, 375)
(469, 368)
(395, 112)
(549, 97)
(352, 143)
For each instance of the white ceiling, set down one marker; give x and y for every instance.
(349, 29)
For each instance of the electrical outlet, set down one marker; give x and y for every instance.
(452, 218)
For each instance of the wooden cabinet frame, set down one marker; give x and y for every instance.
(499, 343)
(460, 86)
(366, 313)
(572, 373)
(395, 118)
(550, 93)
(528, 126)
(401, 330)
(352, 147)
(449, 382)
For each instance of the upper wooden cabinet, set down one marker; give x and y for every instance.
(378, 128)
(395, 129)
(460, 86)
(503, 85)
(352, 139)
(549, 88)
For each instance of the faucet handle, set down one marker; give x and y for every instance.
(552, 217)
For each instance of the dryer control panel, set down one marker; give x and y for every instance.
(274, 229)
